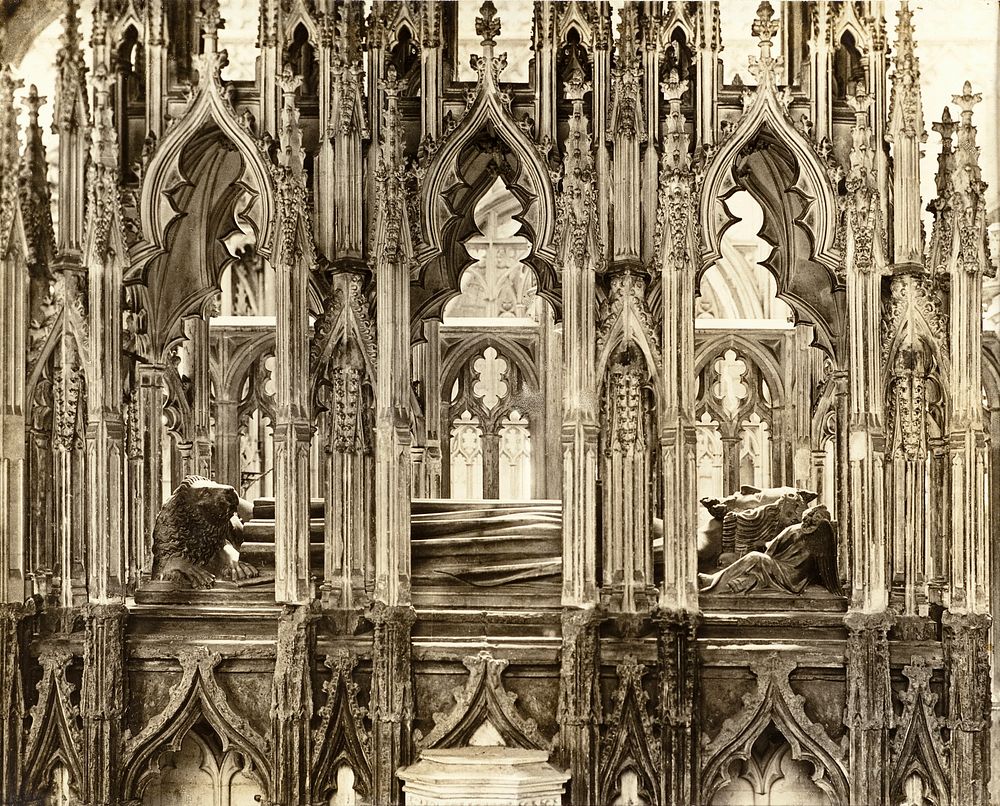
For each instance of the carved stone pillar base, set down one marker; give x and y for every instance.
(483, 776)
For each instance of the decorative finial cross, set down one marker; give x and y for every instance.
(488, 23)
(764, 27)
(211, 22)
(764, 68)
(577, 87)
(103, 82)
(860, 102)
(673, 88)
(966, 101)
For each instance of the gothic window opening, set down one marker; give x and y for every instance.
(301, 55)
(490, 438)
(679, 58)
(130, 106)
(573, 58)
(734, 439)
(200, 773)
(405, 57)
(346, 794)
(771, 776)
(61, 791)
(848, 68)
(495, 336)
(738, 288)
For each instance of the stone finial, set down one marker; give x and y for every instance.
(289, 82)
(628, 37)
(70, 68)
(966, 101)
(765, 67)
(764, 26)
(946, 128)
(32, 102)
(488, 23)
(577, 87)
(673, 88)
(211, 22)
(860, 102)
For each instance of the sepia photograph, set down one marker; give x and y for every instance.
(499, 403)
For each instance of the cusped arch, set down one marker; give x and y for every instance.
(209, 107)
(55, 738)
(800, 174)
(507, 348)
(765, 361)
(445, 181)
(775, 703)
(197, 697)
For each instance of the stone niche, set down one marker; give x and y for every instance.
(483, 776)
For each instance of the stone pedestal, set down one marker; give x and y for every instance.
(483, 776)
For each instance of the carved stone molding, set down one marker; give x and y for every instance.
(918, 747)
(197, 696)
(774, 702)
(630, 742)
(483, 699)
(341, 736)
(56, 734)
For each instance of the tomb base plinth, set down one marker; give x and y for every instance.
(483, 776)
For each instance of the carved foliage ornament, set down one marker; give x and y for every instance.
(483, 699)
(341, 736)
(631, 742)
(774, 702)
(197, 696)
(55, 736)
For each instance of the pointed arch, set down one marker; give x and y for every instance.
(484, 699)
(197, 697)
(767, 156)
(631, 743)
(210, 106)
(456, 178)
(455, 360)
(775, 703)
(918, 747)
(629, 321)
(55, 737)
(766, 362)
(341, 737)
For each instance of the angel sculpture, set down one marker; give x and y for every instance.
(802, 554)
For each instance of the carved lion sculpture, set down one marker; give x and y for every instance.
(194, 534)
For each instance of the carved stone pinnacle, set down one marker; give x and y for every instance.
(946, 126)
(32, 101)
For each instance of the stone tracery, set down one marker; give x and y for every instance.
(475, 349)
